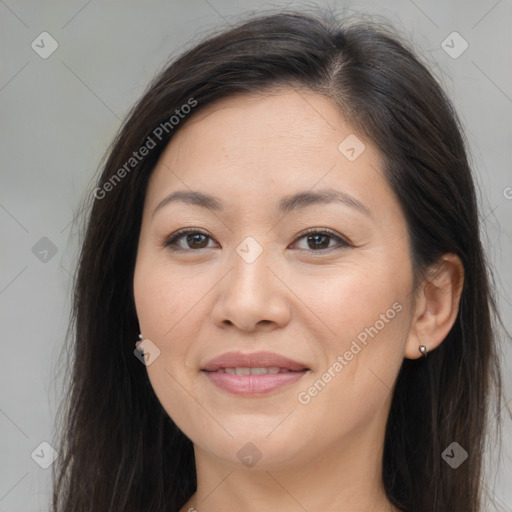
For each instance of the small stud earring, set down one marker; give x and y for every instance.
(138, 345)
(423, 350)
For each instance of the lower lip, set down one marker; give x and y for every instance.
(252, 384)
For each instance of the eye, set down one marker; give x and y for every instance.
(188, 239)
(320, 239)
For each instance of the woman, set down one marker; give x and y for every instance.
(287, 223)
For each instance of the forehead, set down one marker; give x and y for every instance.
(278, 121)
(265, 143)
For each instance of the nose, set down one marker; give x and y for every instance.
(252, 298)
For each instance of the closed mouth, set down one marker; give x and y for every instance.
(256, 363)
(257, 370)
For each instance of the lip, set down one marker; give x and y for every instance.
(253, 384)
(254, 360)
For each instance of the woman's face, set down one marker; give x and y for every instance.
(282, 313)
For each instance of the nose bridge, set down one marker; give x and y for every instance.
(251, 293)
(250, 275)
(250, 279)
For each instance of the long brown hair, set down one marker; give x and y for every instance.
(119, 449)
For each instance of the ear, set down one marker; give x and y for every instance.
(436, 306)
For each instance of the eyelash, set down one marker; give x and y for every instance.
(170, 242)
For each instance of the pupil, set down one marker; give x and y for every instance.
(196, 238)
(317, 241)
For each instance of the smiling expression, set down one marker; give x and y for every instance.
(263, 253)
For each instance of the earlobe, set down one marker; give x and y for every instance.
(437, 306)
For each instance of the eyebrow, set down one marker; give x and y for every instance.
(286, 205)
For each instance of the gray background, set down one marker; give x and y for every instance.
(59, 114)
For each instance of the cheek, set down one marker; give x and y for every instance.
(173, 309)
(168, 303)
(355, 298)
(164, 296)
(368, 315)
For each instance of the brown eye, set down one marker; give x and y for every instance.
(318, 240)
(188, 240)
(197, 241)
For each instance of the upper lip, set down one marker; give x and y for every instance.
(253, 360)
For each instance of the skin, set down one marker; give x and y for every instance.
(302, 302)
